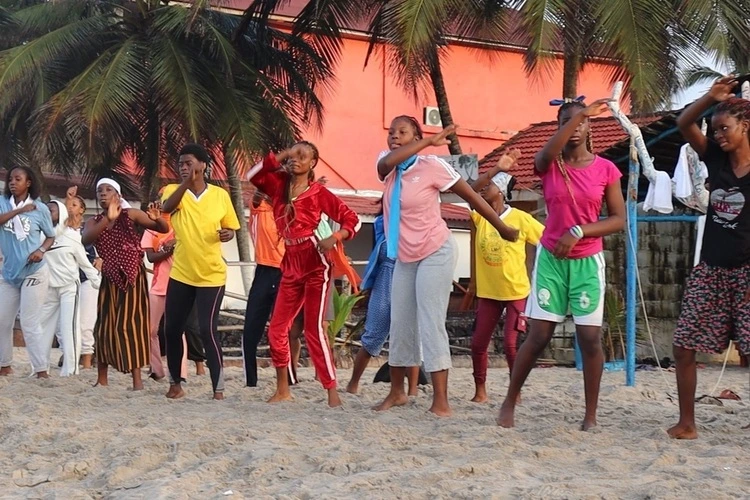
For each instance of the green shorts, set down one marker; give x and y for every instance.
(563, 286)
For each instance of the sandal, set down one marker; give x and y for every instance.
(729, 394)
(709, 400)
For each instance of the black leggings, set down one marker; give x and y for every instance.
(192, 336)
(260, 302)
(207, 300)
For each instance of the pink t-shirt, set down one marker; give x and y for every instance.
(161, 269)
(588, 185)
(422, 231)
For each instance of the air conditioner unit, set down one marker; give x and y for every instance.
(432, 117)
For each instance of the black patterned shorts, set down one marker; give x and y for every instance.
(715, 310)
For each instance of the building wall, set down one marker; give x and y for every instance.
(490, 99)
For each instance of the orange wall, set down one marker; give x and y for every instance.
(488, 93)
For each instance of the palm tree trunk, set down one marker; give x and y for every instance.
(152, 163)
(242, 236)
(571, 68)
(441, 96)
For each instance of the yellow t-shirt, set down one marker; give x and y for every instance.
(500, 264)
(196, 221)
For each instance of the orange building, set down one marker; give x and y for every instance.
(490, 96)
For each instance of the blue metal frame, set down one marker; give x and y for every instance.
(631, 283)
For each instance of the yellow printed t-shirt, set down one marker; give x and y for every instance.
(501, 265)
(196, 221)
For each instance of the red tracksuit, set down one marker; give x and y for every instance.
(305, 272)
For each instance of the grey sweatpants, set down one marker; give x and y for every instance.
(419, 304)
(26, 301)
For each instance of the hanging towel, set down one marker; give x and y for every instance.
(682, 180)
(659, 195)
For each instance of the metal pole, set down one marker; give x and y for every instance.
(632, 267)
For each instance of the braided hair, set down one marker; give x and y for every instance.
(736, 107)
(289, 213)
(413, 122)
(568, 104)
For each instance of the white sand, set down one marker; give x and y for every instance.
(61, 438)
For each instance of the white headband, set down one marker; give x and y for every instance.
(502, 180)
(116, 186)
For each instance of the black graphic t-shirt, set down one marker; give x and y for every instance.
(726, 240)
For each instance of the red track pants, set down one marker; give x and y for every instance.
(488, 316)
(305, 279)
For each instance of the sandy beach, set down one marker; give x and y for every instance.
(62, 438)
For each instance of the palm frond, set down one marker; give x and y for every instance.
(636, 31)
(699, 74)
(542, 25)
(178, 80)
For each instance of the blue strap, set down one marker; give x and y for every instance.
(560, 102)
(394, 217)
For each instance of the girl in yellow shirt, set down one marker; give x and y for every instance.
(500, 270)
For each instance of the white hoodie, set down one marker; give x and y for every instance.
(67, 255)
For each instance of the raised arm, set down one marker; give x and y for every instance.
(173, 201)
(399, 155)
(5, 217)
(149, 220)
(462, 189)
(721, 90)
(555, 145)
(504, 164)
(270, 178)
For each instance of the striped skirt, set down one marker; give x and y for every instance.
(122, 328)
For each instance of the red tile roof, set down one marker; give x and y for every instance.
(606, 132)
(371, 206)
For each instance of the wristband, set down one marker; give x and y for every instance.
(577, 232)
(42, 249)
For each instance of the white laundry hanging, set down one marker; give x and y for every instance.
(689, 181)
(659, 195)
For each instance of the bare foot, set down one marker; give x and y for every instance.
(352, 388)
(683, 431)
(200, 368)
(441, 410)
(334, 401)
(413, 393)
(480, 393)
(219, 396)
(278, 398)
(175, 392)
(86, 361)
(42, 375)
(101, 382)
(588, 423)
(138, 386)
(5, 371)
(506, 418)
(480, 397)
(155, 377)
(399, 399)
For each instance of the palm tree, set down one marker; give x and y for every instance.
(85, 84)
(415, 35)
(651, 38)
(725, 36)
